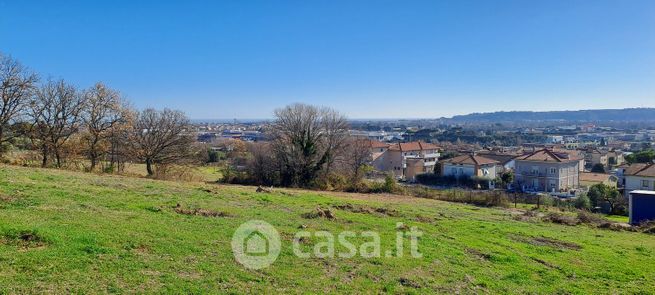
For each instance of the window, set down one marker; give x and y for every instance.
(453, 171)
(645, 184)
(553, 170)
(535, 170)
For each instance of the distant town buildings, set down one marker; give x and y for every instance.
(555, 159)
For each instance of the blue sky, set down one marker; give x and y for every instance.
(368, 59)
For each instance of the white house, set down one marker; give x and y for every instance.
(470, 166)
(406, 159)
(639, 176)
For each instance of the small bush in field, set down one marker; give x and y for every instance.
(582, 202)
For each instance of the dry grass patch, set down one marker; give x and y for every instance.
(200, 212)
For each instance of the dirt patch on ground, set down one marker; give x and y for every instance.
(590, 218)
(384, 197)
(478, 254)
(199, 212)
(615, 226)
(645, 227)
(367, 210)
(562, 219)
(23, 239)
(409, 283)
(261, 189)
(208, 190)
(571, 219)
(547, 242)
(6, 198)
(319, 213)
(527, 216)
(424, 219)
(545, 263)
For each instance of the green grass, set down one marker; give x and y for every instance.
(618, 218)
(69, 232)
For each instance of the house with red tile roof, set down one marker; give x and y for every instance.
(407, 159)
(470, 165)
(546, 170)
(377, 148)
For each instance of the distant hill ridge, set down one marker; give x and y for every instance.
(624, 115)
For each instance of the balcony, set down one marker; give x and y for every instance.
(433, 155)
(533, 174)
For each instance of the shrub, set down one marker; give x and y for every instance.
(434, 179)
(582, 202)
(547, 200)
(478, 198)
(390, 184)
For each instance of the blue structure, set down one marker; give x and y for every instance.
(642, 206)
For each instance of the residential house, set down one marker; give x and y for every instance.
(638, 176)
(505, 159)
(614, 158)
(593, 157)
(578, 154)
(547, 171)
(588, 179)
(471, 165)
(378, 146)
(571, 143)
(407, 159)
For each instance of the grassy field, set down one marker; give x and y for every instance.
(69, 232)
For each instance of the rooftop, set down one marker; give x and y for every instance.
(547, 155)
(640, 169)
(413, 146)
(595, 177)
(471, 160)
(652, 193)
(378, 144)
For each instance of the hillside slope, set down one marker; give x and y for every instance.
(607, 115)
(73, 232)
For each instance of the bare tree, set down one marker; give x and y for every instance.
(16, 87)
(160, 137)
(119, 141)
(335, 132)
(356, 156)
(305, 141)
(103, 112)
(56, 115)
(262, 166)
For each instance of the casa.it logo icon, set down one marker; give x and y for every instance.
(256, 244)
